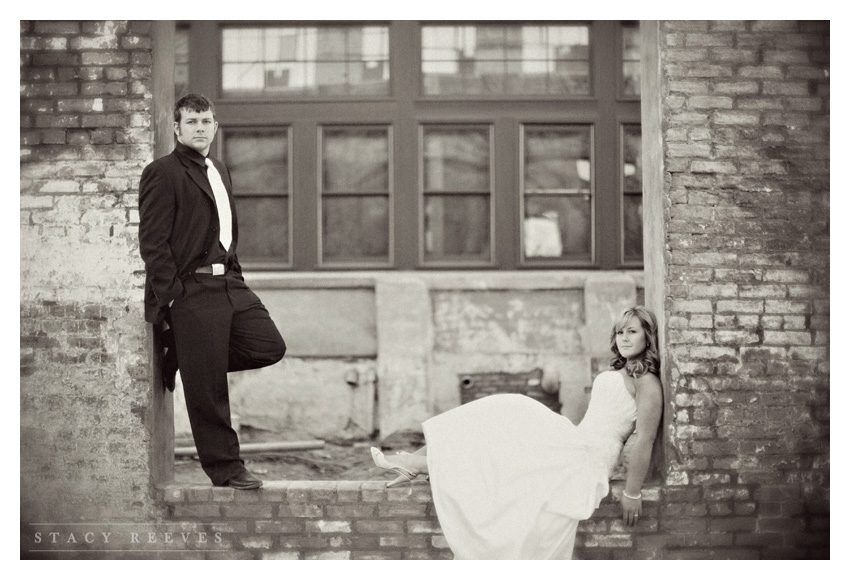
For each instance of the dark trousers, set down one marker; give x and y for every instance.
(219, 326)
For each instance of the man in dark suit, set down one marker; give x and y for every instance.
(187, 239)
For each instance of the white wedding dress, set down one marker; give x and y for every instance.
(511, 479)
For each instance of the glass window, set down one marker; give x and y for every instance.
(631, 59)
(557, 192)
(456, 181)
(506, 60)
(494, 149)
(305, 60)
(632, 181)
(258, 161)
(355, 188)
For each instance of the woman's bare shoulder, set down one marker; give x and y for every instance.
(648, 380)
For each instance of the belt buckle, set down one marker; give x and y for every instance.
(217, 269)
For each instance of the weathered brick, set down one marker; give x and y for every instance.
(740, 306)
(737, 118)
(714, 166)
(403, 541)
(196, 511)
(235, 511)
(788, 337)
(328, 526)
(711, 102)
(300, 510)
(55, 27)
(279, 527)
(350, 511)
(711, 39)
(423, 527)
(417, 510)
(103, 121)
(379, 526)
(104, 58)
(80, 43)
(737, 55)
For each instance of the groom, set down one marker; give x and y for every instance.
(187, 239)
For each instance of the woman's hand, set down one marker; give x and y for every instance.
(631, 510)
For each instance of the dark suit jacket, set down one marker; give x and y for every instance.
(178, 224)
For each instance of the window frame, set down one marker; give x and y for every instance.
(556, 262)
(405, 109)
(219, 152)
(621, 82)
(321, 195)
(424, 263)
(626, 262)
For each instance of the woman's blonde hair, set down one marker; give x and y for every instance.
(648, 361)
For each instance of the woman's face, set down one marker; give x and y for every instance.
(631, 339)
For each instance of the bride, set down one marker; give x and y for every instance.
(511, 479)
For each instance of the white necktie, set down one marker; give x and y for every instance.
(222, 203)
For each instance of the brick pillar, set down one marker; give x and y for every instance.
(85, 361)
(740, 115)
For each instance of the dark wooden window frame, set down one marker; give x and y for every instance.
(406, 110)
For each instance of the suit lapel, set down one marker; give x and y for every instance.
(198, 175)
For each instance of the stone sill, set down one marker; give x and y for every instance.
(333, 491)
(439, 280)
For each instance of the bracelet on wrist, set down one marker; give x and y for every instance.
(639, 495)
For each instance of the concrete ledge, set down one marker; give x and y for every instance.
(352, 520)
(439, 280)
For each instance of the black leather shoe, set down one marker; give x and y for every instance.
(245, 480)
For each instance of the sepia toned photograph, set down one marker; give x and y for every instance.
(443, 289)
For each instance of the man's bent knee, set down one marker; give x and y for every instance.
(273, 355)
(280, 352)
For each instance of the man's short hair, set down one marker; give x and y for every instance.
(193, 102)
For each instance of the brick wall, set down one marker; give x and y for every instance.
(745, 111)
(85, 137)
(310, 520)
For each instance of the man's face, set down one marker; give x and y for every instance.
(196, 130)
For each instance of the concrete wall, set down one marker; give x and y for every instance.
(386, 351)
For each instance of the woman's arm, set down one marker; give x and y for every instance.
(649, 408)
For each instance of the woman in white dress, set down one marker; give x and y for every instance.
(511, 479)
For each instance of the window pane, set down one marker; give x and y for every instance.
(557, 160)
(633, 227)
(457, 159)
(306, 60)
(355, 228)
(258, 161)
(632, 198)
(330, 77)
(248, 77)
(569, 42)
(557, 226)
(457, 226)
(263, 229)
(280, 77)
(355, 159)
(494, 59)
(632, 167)
(570, 78)
(631, 59)
(242, 44)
